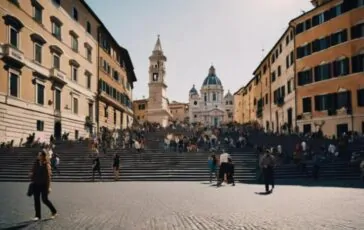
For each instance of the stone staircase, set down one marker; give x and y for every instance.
(152, 165)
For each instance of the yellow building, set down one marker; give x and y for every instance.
(178, 110)
(140, 108)
(49, 68)
(238, 106)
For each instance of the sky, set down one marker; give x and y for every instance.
(233, 35)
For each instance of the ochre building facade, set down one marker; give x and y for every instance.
(49, 69)
(316, 74)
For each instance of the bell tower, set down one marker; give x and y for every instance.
(158, 110)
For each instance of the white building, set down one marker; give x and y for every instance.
(212, 108)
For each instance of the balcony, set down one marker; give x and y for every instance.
(58, 76)
(280, 101)
(13, 55)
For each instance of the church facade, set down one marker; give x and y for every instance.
(211, 107)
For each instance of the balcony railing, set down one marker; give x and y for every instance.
(58, 75)
(13, 54)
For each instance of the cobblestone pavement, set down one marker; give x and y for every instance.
(185, 205)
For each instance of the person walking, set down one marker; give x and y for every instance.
(116, 166)
(96, 167)
(267, 163)
(41, 179)
(212, 162)
(223, 168)
(230, 170)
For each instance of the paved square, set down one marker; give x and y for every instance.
(185, 205)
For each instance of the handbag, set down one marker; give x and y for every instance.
(30, 191)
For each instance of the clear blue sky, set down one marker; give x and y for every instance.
(195, 33)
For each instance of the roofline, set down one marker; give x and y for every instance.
(238, 91)
(308, 12)
(140, 100)
(270, 51)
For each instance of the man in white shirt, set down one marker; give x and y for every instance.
(224, 159)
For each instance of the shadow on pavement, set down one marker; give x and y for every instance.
(318, 183)
(263, 193)
(20, 225)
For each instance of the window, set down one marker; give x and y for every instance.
(304, 51)
(273, 58)
(106, 113)
(214, 97)
(75, 105)
(307, 105)
(56, 30)
(292, 57)
(74, 71)
(287, 61)
(304, 77)
(74, 43)
(40, 125)
(289, 89)
(58, 2)
(360, 97)
(14, 37)
(74, 14)
(307, 128)
(339, 37)
(57, 100)
(279, 71)
(341, 67)
(88, 27)
(116, 75)
(320, 44)
(88, 81)
(273, 76)
(323, 72)
(141, 107)
(37, 11)
(38, 53)
(40, 94)
(322, 102)
(89, 54)
(14, 85)
(205, 97)
(287, 40)
(114, 117)
(266, 98)
(360, 3)
(357, 31)
(280, 48)
(56, 61)
(357, 63)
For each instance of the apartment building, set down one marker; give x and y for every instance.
(330, 67)
(116, 77)
(49, 56)
(140, 108)
(262, 93)
(238, 106)
(282, 107)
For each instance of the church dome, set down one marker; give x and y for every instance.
(211, 79)
(193, 91)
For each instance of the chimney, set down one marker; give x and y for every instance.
(317, 3)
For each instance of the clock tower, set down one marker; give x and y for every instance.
(158, 110)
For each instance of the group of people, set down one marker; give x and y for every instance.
(221, 169)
